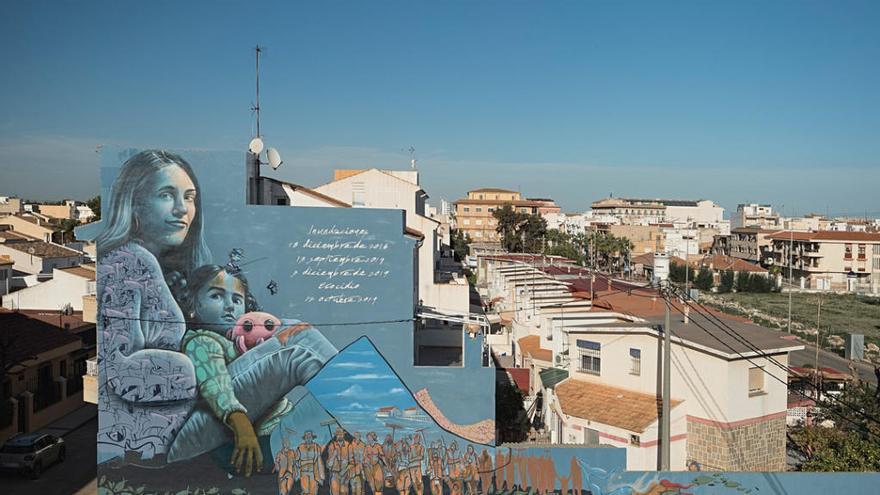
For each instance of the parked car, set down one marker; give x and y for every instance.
(31, 453)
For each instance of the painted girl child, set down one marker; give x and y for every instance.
(240, 394)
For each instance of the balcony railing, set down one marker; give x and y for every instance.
(92, 367)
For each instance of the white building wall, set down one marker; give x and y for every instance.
(705, 213)
(55, 294)
(711, 387)
(34, 265)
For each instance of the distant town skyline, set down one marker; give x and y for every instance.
(746, 102)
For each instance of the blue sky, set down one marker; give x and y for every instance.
(736, 101)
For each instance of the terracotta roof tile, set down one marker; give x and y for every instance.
(531, 346)
(633, 411)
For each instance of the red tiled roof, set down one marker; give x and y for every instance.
(531, 346)
(721, 262)
(632, 411)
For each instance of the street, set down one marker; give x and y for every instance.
(827, 359)
(65, 478)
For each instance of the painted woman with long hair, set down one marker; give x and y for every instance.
(153, 230)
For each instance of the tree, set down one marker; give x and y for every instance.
(64, 231)
(742, 281)
(461, 243)
(728, 278)
(704, 280)
(852, 444)
(95, 205)
(520, 232)
(677, 273)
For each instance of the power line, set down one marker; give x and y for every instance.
(722, 325)
(852, 422)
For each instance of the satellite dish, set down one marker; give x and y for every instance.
(274, 158)
(256, 146)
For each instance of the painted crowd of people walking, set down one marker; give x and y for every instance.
(351, 465)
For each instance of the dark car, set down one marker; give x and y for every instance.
(31, 453)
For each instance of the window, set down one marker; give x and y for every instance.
(481, 196)
(479, 222)
(847, 252)
(358, 190)
(861, 251)
(635, 440)
(466, 209)
(590, 353)
(491, 210)
(756, 381)
(635, 365)
(479, 209)
(466, 221)
(478, 233)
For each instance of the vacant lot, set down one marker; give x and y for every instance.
(841, 313)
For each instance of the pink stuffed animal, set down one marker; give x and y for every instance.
(252, 329)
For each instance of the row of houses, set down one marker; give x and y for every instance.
(587, 352)
(68, 209)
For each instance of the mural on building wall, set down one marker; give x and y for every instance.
(257, 349)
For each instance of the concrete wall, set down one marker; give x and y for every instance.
(64, 288)
(34, 265)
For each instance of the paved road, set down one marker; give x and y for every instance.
(830, 360)
(66, 478)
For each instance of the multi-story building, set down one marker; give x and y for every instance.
(594, 370)
(698, 213)
(631, 211)
(752, 244)
(828, 260)
(755, 215)
(473, 215)
(645, 238)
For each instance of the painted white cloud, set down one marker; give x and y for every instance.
(360, 376)
(353, 365)
(397, 390)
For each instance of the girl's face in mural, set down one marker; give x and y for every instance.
(220, 302)
(166, 209)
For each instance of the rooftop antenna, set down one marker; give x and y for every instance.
(256, 146)
(412, 157)
(256, 108)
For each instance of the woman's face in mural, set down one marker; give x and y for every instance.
(220, 302)
(166, 209)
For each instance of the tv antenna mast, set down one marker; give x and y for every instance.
(412, 157)
(256, 146)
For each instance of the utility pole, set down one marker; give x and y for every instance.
(665, 422)
(818, 331)
(790, 267)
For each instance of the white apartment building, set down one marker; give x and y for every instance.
(595, 370)
(828, 260)
(697, 213)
